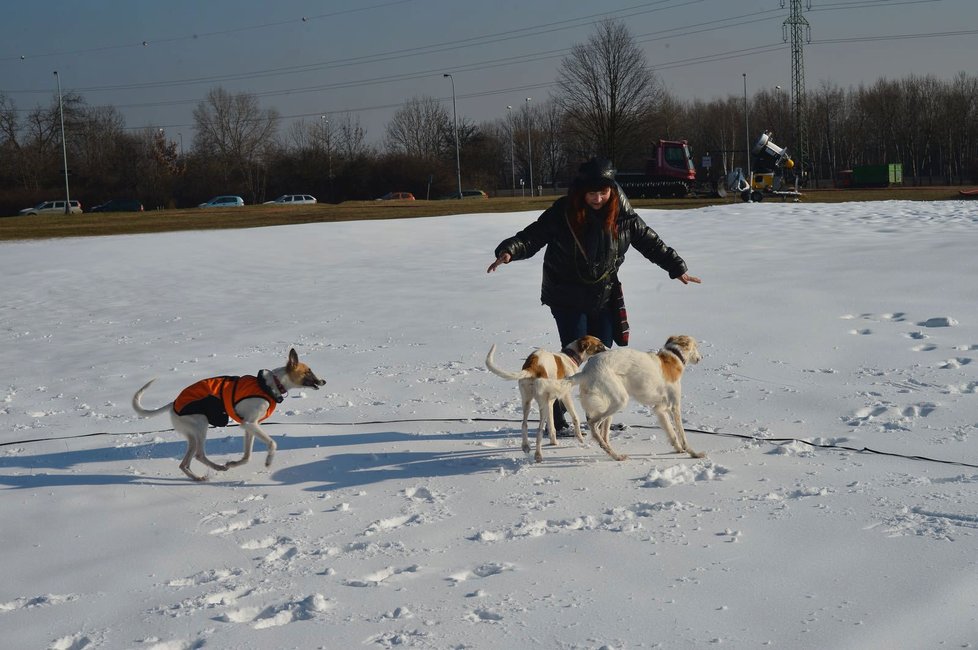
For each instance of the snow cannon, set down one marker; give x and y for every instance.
(769, 156)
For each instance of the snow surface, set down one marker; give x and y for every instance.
(400, 511)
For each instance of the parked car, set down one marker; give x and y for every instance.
(225, 201)
(119, 205)
(53, 207)
(293, 199)
(468, 194)
(397, 196)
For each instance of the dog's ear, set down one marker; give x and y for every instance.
(293, 359)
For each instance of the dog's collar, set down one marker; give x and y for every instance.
(573, 354)
(672, 347)
(270, 383)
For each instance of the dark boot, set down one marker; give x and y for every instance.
(564, 430)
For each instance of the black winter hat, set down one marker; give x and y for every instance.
(595, 174)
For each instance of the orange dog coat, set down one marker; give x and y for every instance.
(216, 398)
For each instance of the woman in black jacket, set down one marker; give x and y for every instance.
(586, 234)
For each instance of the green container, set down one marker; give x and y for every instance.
(877, 175)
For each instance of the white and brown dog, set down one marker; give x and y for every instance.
(248, 400)
(542, 380)
(651, 378)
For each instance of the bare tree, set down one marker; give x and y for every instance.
(553, 154)
(607, 91)
(351, 138)
(298, 136)
(236, 131)
(95, 138)
(419, 129)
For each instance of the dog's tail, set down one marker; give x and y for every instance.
(143, 412)
(496, 370)
(568, 382)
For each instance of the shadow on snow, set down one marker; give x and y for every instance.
(397, 457)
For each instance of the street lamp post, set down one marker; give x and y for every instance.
(458, 165)
(780, 113)
(512, 147)
(750, 180)
(326, 139)
(64, 146)
(529, 145)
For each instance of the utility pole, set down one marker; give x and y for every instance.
(798, 31)
(458, 165)
(529, 144)
(750, 177)
(64, 145)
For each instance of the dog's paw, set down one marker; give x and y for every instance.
(620, 457)
(538, 457)
(696, 454)
(526, 448)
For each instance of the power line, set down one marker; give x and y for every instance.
(484, 39)
(696, 28)
(194, 37)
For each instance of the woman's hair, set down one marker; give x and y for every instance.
(577, 209)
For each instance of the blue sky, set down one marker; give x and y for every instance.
(366, 57)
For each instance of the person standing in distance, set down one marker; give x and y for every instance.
(587, 233)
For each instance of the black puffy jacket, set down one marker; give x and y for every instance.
(573, 281)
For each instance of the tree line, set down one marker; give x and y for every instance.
(928, 124)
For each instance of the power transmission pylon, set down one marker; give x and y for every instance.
(793, 28)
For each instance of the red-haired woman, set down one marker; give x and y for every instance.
(586, 234)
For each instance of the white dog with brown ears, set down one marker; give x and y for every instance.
(651, 378)
(248, 400)
(541, 380)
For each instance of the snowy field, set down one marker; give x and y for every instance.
(400, 511)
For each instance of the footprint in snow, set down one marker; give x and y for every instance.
(482, 571)
(939, 321)
(38, 601)
(953, 364)
(278, 615)
(422, 493)
(483, 616)
(377, 577)
(393, 523)
(73, 642)
(234, 526)
(205, 577)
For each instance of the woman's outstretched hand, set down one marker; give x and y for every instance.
(503, 259)
(686, 278)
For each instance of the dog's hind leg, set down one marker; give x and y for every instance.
(600, 425)
(527, 398)
(194, 429)
(568, 402)
(546, 422)
(185, 463)
(600, 421)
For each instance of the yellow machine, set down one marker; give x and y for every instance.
(769, 162)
